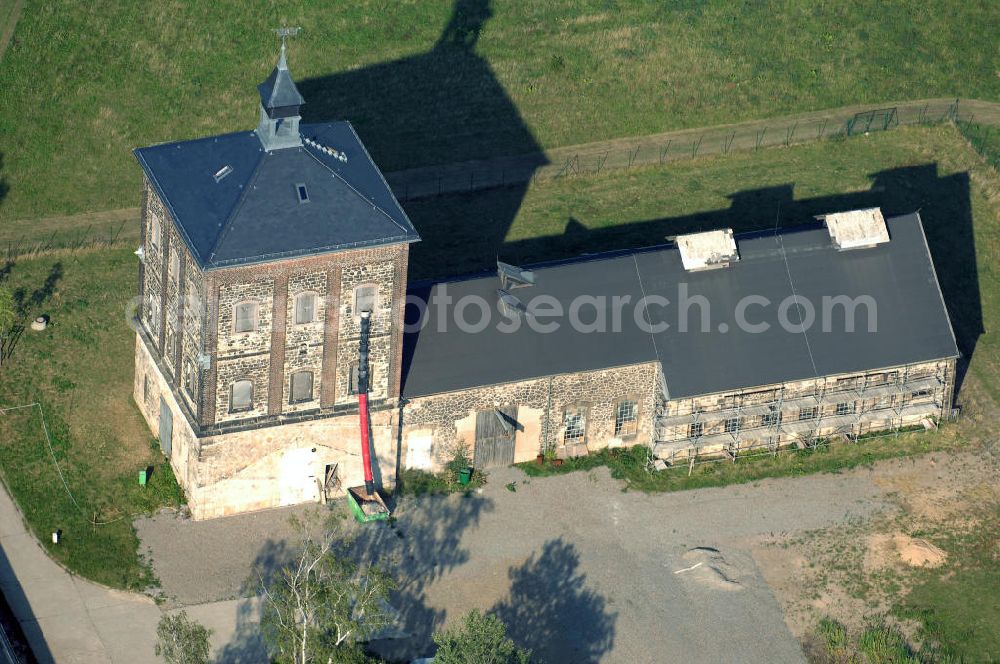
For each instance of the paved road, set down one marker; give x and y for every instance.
(582, 571)
(68, 620)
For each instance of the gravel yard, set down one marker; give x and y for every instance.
(581, 571)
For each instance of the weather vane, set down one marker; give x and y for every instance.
(284, 33)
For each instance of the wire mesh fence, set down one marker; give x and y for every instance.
(107, 234)
(661, 149)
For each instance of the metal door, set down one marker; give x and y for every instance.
(166, 428)
(495, 432)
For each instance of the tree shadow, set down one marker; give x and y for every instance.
(445, 105)
(24, 301)
(417, 549)
(944, 203)
(551, 611)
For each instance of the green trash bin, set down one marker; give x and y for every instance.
(465, 476)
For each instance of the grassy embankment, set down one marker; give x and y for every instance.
(85, 85)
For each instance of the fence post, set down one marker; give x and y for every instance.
(789, 133)
(760, 138)
(664, 152)
(695, 146)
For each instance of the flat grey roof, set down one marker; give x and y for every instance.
(911, 322)
(253, 213)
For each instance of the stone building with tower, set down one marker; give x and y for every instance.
(261, 249)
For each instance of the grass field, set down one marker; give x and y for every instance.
(80, 370)
(440, 81)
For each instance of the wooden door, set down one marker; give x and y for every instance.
(166, 428)
(495, 432)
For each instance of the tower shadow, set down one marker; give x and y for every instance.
(442, 106)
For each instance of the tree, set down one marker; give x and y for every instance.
(480, 639)
(319, 607)
(8, 320)
(181, 640)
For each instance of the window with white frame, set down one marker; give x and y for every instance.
(305, 308)
(626, 418)
(245, 317)
(695, 429)
(770, 419)
(241, 396)
(846, 408)
(809, 413)
(302, 386)
(575, 423)
(364, 298)
(732, 425)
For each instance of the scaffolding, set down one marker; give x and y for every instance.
(777, 416)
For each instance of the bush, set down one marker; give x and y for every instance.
(181, 640)
(480, 639)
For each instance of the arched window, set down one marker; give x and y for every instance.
(302, 386)
(305, 308)
(365, 297)
(245, 317)
(241, 396)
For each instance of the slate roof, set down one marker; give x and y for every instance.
(253, 214)
(279, 90)
(912, 322)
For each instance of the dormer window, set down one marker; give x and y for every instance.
(302, 192)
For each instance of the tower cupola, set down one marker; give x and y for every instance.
(280, 102)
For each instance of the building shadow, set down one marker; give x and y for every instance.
(442, 106)
(944, 203)
(16, 615)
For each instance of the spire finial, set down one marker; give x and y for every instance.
(284, 33)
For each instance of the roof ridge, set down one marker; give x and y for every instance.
(236, 209)
(378, 171)
(357, 193)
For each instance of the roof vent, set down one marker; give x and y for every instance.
(336, 154)
(707, 251)
(511, 276)
(222, 172)
(510, 304)
(857, 228)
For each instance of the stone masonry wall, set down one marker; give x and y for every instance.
(449, 419)
(304, 341)
(383, 276)
(243, 355)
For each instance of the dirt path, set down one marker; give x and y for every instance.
(7, 29)
(19, 237)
